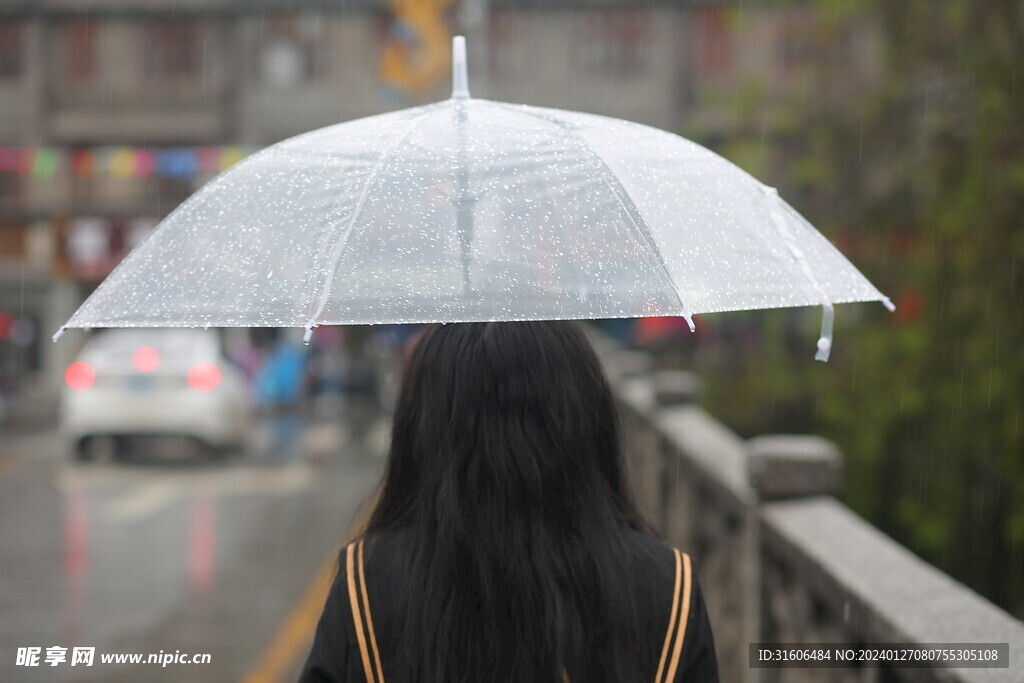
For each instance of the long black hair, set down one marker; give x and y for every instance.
(505, 476)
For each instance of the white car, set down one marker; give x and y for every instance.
(153, 382)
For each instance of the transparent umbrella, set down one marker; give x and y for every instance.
(475, 210)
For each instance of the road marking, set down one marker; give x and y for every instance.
(146, 493)
(21, 449)
(140, 503)
(273, 480)
(296, 632)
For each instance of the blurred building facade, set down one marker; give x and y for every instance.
(113, 111)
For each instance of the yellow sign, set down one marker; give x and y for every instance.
(421, 56)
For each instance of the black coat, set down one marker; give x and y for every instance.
(336, 653)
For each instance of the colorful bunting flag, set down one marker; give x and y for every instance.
(45, 163)
(83, 163)
(122, 162)
(184, 163)
(145, 163)
(229, 156)
(8, 159)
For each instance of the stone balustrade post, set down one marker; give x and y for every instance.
(628, 364)
(793, 466)
(780, 558)
(676, 387)
(784, 467)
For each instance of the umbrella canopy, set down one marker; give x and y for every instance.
(474, 210)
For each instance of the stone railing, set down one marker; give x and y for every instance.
(780, 559)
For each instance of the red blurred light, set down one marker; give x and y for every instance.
(204, 376)
(146, 358)
(7, 321)
(79, 376)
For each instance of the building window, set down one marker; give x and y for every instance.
(714, 41)
(172, 49)
(803, 45)
(12, 248)
(294, 49)
(797, 44)
(79, 49)
(10, 189)
(613, 41)
(503, 53)
(11, 48)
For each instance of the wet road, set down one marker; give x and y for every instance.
(178, 555)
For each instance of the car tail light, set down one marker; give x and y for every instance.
(80, 376)
(145, 359)
(204, 376)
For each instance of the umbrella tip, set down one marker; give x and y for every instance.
(824, 348)
(887, 302)
(59, 333)
(825, 340)
(460, 79)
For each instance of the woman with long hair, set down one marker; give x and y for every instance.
(503, 545)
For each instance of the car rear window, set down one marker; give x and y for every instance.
(171, 344)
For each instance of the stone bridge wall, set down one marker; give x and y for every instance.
(780, 559)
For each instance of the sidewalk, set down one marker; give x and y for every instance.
(35, 408)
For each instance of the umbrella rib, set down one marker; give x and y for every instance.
(339, 247)
(625, 201)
